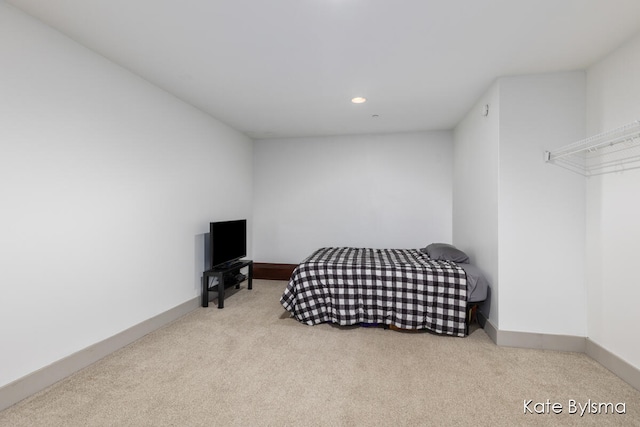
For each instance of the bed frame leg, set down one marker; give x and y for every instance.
(471, 316)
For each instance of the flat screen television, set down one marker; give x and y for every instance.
(228, 241)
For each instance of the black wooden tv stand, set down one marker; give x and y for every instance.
(228, 275)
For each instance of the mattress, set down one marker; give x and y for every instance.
(400, 287)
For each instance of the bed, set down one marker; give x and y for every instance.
(410, 289)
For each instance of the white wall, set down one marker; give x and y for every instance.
(107, 185)
(384, 191)
(613, 209)
(475, 191)
(542, 207)
(519, 219)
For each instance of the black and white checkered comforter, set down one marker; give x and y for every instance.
(400, 287)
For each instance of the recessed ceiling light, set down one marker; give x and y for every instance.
(359, 100)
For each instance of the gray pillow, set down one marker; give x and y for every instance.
(445, 252)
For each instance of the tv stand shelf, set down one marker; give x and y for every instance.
(230, 273)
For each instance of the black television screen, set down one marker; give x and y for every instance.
(228, 241)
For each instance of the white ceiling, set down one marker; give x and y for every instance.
(284, 68)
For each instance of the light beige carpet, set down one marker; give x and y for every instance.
(251, 365)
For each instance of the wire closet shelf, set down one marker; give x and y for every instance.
(614, 151)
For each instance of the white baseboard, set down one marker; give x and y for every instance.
(49, 375)
(615, 364)
(541, 341)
